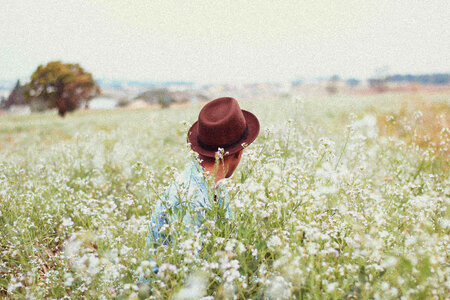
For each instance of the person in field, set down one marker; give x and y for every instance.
(218, 137)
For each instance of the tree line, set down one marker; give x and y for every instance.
(437, 78)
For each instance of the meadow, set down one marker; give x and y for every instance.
(339, 197)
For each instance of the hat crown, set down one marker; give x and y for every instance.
(221, 122)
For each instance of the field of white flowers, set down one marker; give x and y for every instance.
(324, 206)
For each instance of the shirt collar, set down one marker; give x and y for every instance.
(199, 169)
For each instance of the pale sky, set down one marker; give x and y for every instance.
(225, 41)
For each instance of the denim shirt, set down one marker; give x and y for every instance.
(186, 200)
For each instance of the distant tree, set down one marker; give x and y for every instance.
(64, 86)
(16, 97)
(440, 78)
(436, 79)
(378, 84)
(165, 101)
(123, 101)
(162, 97)
(352, 82)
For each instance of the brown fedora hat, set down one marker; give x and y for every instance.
(222, 124)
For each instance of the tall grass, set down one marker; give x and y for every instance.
(327, 203)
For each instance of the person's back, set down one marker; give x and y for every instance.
(186, 200)
(219, 136)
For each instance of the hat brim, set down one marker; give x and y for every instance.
(253, 131)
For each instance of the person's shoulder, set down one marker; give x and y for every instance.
(192, 177)
(180, 179)
(191, 170)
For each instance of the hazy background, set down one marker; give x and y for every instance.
(225, 41)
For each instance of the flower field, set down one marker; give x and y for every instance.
(338, 198)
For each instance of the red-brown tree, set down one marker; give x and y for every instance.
(64, 86)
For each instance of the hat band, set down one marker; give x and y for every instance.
(225, 146)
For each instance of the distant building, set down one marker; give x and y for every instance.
(378, 84)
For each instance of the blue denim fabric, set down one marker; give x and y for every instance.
(186, 199)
